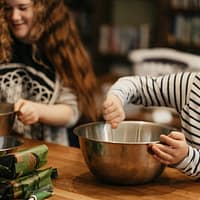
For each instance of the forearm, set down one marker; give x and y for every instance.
(56, 115)
(125, 89)
(169, 90)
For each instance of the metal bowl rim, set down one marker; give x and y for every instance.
(7, 113)
(124, 122)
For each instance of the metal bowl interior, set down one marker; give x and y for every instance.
(128, 132)
(122, 155)
(9, 144)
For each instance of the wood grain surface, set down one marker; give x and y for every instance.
(75, 182)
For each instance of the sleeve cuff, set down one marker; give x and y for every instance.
(117, 95)
(184, 163)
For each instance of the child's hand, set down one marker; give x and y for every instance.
(174, 149)
(27, 111)
(113, 111)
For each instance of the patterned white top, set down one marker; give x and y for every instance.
(180, 91)
(36, 80)
(22, 81)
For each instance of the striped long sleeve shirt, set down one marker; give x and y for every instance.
(180, 91)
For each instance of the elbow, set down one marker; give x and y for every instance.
(73, 118)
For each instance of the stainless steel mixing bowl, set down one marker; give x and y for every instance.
(122, 155)
(7, 116)
(9, 144)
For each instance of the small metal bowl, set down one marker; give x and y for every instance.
(7, 117)
(9, 144)
(122, 155)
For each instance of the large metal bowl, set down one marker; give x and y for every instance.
(122, 155)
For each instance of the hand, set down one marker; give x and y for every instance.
(174, 149)
(113, 111)
(28, 112)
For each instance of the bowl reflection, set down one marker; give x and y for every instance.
(9, 144)
(122, 155)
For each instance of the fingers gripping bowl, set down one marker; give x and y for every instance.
(122, 155)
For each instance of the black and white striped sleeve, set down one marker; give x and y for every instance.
(191, 164)
(180, 91)
(169, 90)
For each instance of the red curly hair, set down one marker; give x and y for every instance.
(56, 34)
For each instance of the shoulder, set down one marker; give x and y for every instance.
(12, 65)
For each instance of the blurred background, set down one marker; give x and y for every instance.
(134, 37)
(112, 28)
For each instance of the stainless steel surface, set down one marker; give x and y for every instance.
(7, 116)
(122, 155)
(9, 143)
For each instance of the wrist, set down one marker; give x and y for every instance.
(40, 109)
(184, 162)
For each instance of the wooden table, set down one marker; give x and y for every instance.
(75, 182)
